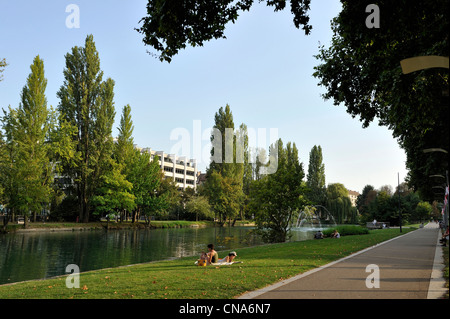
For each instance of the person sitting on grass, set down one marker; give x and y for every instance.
(335, 234)
(212, 256)
(229, 258)
(204, 256)
(318, 235)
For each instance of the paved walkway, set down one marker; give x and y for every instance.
(405, 267)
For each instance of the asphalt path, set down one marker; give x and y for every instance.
(400, 268)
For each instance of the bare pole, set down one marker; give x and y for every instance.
(399, 209)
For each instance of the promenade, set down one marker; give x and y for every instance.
(408, 268)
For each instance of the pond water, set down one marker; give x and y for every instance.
(27, 256)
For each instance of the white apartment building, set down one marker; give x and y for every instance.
(353, 196)
(178, 168)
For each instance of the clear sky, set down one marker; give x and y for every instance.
(263, 70)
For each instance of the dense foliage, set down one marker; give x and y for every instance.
(170, 25)
(361, 71)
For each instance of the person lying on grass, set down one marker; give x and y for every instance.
(229, 258)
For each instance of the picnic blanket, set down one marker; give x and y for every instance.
(223, 263)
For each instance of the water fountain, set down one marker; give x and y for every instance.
(314, 217)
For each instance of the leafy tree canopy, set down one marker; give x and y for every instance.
(361, 71)
(172, 24)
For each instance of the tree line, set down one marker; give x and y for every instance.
(360, 69)
(247, 191)
(385, 205)
(65, 161)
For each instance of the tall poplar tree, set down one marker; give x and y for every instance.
(125, 145)
(8, 170)
(316, 177)
(247, 174)
(124, 153)
(86, 101)
(224, 183)
(28, 171)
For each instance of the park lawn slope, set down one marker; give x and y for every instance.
(181, 279)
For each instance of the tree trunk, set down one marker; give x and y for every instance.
(5, 222)
(25, 221)
(81, 206)
(84, 212)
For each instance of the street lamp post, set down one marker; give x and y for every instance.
(399, 209)
(435, 149)
(418, 63)
(440, 176)
(446, 207)
(423, 62)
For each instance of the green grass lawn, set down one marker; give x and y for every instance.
(180, 278)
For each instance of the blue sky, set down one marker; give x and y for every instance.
(263, 70)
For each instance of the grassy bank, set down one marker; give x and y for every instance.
(40, 226)
(180, 278)
(346, 230)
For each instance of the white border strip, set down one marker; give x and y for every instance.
(256, 293)
(436, 289)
